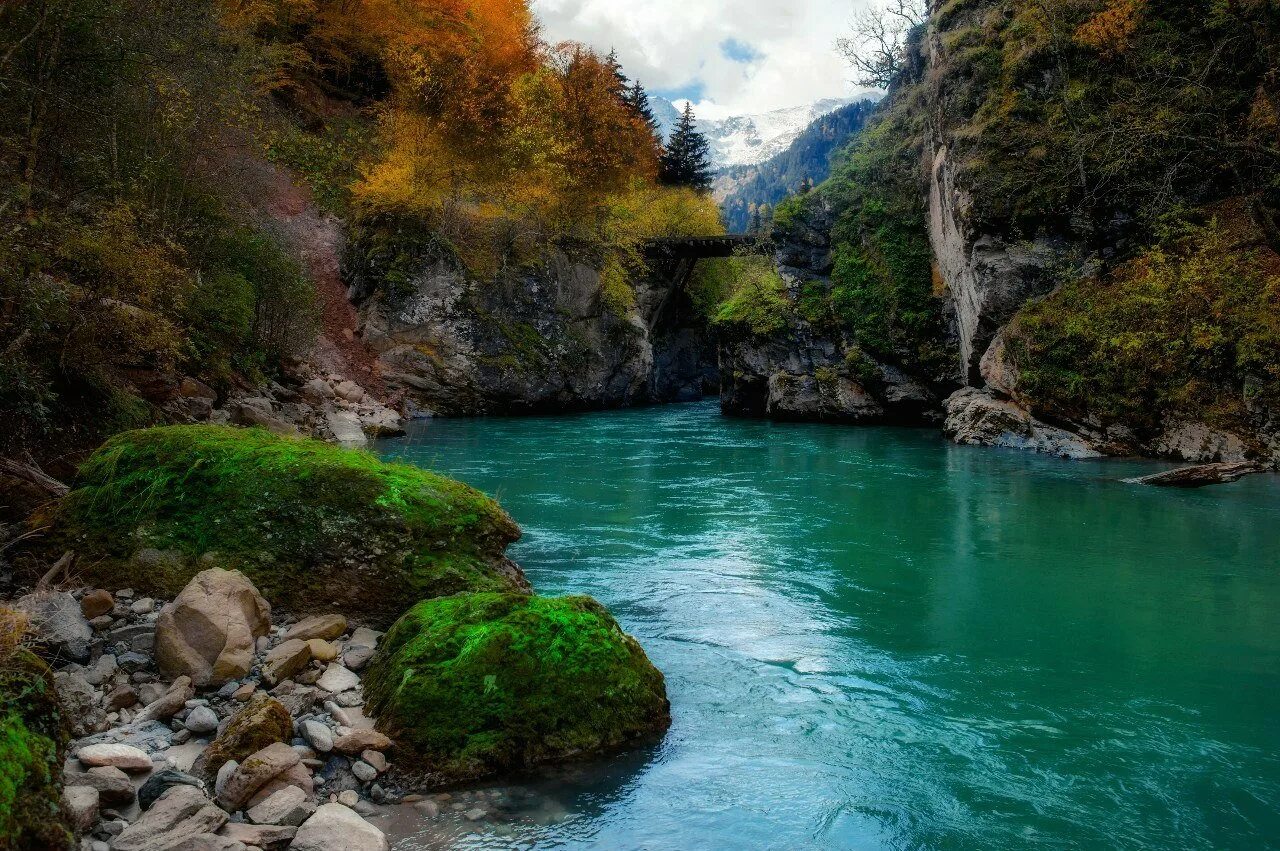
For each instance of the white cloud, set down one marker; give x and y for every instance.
(679, 46)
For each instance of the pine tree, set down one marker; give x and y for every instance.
(687, 158)
(621, 85)
(638, 100)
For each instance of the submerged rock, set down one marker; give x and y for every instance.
(314, 527)
(477, 684)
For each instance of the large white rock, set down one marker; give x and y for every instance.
(209, 631)
(334, 827)
(287, 807)
(336, 679)
(123, 757)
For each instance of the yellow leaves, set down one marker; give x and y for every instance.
(1110, 31)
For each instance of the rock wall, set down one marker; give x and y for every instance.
(537, 341)
(804, 373)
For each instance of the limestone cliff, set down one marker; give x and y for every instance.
(542, 339)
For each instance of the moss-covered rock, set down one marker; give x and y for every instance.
(33, 742)
(479, 684)
(262, 722)
(316, 528)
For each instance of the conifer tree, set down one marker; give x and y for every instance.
(621, 85)
(686, 161)
(638, 100)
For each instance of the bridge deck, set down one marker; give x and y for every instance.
(698, 247)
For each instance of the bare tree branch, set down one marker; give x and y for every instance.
(877, 47)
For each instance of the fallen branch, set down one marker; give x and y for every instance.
(61, 566)
(34, 475)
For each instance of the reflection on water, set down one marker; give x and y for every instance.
(873, 639)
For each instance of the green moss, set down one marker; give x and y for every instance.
(313, 526)
(478, 684)
(262, 722)
(33, 741)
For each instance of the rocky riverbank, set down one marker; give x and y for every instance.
(218, 702)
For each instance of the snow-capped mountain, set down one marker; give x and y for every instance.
(750, 139)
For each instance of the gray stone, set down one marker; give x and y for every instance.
(285, 660)
(337, 679)
(172, 702)
(364, 772)
(201, 720)
(120, 697)
(124, 757)
(102, 670)
(318, 735)
(254, 773)
(225, 773)
(475, 814)
(267, 836)
(356, 658)
(327, 627)
(159, 782)
(209, 631)
(113, 785)
(81, 805)
(177, 816)
(145, 606)
(288, 806)
(57, 622)
(212, 842)
(79, 701)
(348, 797)
(977, 418)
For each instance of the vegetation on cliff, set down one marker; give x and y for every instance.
(1190, 325)
(477, 684)
(443, 128)
(311, 525)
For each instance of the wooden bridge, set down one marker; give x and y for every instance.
(699, 247)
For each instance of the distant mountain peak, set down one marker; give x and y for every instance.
(740, 140)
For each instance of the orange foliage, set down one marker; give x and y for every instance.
(1110, 31)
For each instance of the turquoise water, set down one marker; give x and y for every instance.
(874, 639)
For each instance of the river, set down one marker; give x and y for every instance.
(876, 640)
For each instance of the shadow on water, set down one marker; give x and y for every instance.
(875, 639)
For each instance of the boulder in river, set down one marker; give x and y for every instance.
(479, 684)
(316, 528)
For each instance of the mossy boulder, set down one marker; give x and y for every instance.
(33, 743)
(315, 527)
(480, 684)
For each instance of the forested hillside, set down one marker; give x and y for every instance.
(1080, 198)
(748, 194)
(132, 257)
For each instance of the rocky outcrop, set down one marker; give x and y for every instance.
(802, 372)
(988, 278)
(977, 418)
(531, 341)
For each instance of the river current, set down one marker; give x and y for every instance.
(874, 639)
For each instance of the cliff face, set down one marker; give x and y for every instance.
(813, 371)
(537, 341)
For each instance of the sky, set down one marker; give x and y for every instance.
(729, 57)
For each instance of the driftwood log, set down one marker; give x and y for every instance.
(28, 471)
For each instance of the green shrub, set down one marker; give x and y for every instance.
(479, 684)
(315, 527)
(757, 300)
